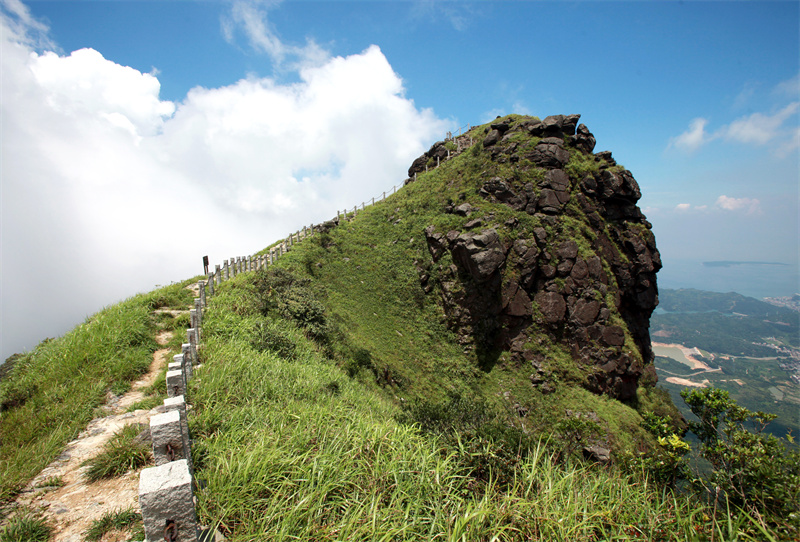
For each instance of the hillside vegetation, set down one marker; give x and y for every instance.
(468, 360)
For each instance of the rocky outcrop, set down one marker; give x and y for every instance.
(592, 289)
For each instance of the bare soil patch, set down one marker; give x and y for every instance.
(71, 509)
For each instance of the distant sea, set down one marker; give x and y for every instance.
(753, 279)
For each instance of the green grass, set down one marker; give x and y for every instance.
(125, 520)
(51, 482)
(292, 448)
(52, 392)
(26, 526)
(123, 452)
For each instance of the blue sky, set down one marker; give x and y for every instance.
(138, 136)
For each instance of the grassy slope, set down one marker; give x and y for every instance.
(52, 392)
(365, 273)
(292, 448)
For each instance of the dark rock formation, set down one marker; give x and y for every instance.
(593, 293)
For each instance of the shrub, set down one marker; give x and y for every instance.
(270, 338)
(360, 359)
(279, 290)
(456, 413)
(667, 464)
(753, 470)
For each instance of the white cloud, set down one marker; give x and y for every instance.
(686, 207)
(748, 205)
(692, 139)
(458, 14)
(108, 190)
(759, 128)
(21, 28)
(250, 16)
(790, 87)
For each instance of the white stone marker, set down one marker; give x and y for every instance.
(178, 403)
(191, 336)
(186, 365)
(169, 441)
(167, 502)
(186, 350)
(198, 306)
(176, 383)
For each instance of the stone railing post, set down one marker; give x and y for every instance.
(186, 352)
(191, 336)
(176, 383)
(167, 502)
(169, 441)
(227, 270)
(185, 364)
(202, 288)
(211, 284)
(218, 275)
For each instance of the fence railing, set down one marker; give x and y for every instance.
(166, 491)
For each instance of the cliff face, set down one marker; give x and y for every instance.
(580, 274)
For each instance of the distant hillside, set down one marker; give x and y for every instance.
(724, 323)
(739, 344)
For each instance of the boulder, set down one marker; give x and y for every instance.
(437, 243)
(613, 336)
(418, 166)
(463, 210)
(491, 138)
(553, 126)
(585, 312)
(549, 153)
(569, 123)
(557, 179)
(479, 254)
(605, 156)
(551, 202)
(583, 139)
(516, 301)
(552, 306)
(568, 250)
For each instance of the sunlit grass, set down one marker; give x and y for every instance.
(52, 392)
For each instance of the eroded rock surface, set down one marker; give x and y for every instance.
(590, 293)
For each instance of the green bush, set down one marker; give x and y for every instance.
(359, 359)
(280, 291)
(268, 337)
(753, 470)
(668, 463)
(457, 413)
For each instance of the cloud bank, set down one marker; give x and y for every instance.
(108, 190)
(756, 129)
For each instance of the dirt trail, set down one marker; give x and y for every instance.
(71, 509)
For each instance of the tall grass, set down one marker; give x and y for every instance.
(293, 449)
